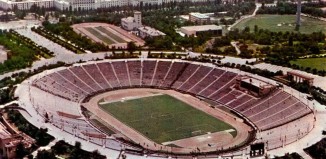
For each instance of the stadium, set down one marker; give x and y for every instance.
(163, 108)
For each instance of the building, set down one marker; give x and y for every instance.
(255, 86)
(145, 2)
(3, 54)
(132, 23)
(146, 31)
(199, 18)
(200, 29)
(81, 4)
(26, 4)
(9, 139)
(135, 24)
(61, 4)
(299, 77)
(111, 3)
(324, 8)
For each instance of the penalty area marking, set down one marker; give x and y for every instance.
(130, 98)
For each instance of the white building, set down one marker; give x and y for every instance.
(200, 29)
(146, 31)
(81, 4)
(144, 2)
(3, 54)
(61, 4)
(111, 3)
(199, 18)
(25, 4)
(132, 23)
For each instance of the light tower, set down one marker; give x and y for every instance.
(298, 20)
(137, 18)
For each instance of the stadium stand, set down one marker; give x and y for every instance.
(148, 72)
(97, 76)
(107, 70)
(75, 83)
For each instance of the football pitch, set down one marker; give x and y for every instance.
(283, 23)
(317, 63)
(97, 34)
(164, 118)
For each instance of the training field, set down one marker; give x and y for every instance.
(164, 118)
(283, 23)
(107, 34)
(99, 35)
(318, 63)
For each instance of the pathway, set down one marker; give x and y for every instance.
(234, 44)
(258, 5)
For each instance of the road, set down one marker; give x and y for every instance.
(258, 5)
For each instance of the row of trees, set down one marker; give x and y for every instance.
(317, 150)
(277, 47)
(61, 148)
(6, 94)
(20, 53)
(308, 69)
(291, 8)
(39, 50)
(180, 7)
(64, 30)
(58, 40)
(289, 156)
(319, 94)
(40, 135)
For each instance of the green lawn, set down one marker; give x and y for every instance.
(110, 34)
(287, 22)
(318, 63)
(163, 118)
(100, 36)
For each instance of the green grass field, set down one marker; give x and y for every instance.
(100, 36)
(110, 34)
(287, 22)
(163, 118)
(318, 63)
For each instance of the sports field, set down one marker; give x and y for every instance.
(318, 63)
(164, 118)
(107, 34)
(283, 23)
(110, 34)
(100, 35)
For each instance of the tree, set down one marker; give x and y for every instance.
(291, 41)
(76, 152)
(41, 137)
(21, 151)
(30, 156)
(44, 154)
(131, 47)
(247, 29)
(314, 49)
(256, 29)
(60, 147)
(96, 155)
